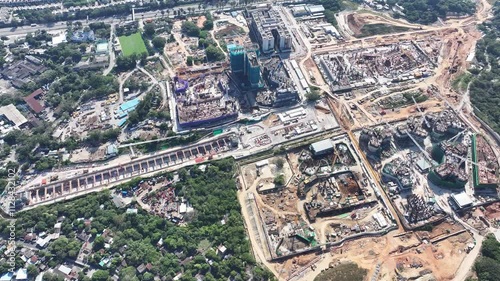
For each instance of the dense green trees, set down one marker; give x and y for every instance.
(149, 29)
(485, 87)
(214, 53)
(213, 196)
(46, 15)
(98, 137)
(159, 42)
(147, 108)
(190, 29)
(487, 267)
(128, 274)
(279, 180)
(32, 270)
(75, 86)
(209, 23)
(427, 12)
(63, 248)
(313, 96)
(124, 63)
(98, 243)
(101, 275)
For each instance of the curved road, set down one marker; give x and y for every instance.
(156, 82)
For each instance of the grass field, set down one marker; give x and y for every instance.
(132, 44)
(343, 272)
(380, 29)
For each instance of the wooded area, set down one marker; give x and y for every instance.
(185, 249)
(485, 87)
(487, 266)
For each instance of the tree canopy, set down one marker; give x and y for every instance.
(427, 12)
(212, 194)
(487, 267)
(159, 42)
(190, 29)
(485, 86)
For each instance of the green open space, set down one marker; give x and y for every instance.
(132, 44)
(461, 82)
(380, 29)
(343, 272)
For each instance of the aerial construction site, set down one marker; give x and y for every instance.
(392, 191)
(350, 146)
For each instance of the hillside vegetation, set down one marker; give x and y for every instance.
(343, 272)
(427, 12)
(485, 87)
(487, 266)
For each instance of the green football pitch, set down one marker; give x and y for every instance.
(132, 44)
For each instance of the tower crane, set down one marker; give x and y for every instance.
(422, 113)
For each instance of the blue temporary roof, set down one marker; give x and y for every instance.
(7, 276)
(122, 122)
(112, 149)
(129, 105)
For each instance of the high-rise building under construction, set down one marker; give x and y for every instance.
(244, 62)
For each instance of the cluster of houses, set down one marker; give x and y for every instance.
(28, 247)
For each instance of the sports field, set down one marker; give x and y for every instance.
(132, 44)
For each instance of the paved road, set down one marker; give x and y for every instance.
(112, 57)
(156, 82)
(122, 80)
(61, 25)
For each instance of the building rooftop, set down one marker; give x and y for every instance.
(261, 163)
(58, 39)
(313, 9)
(462, 199)
(129, 105)
(7, 276)
(102, 47)
(21, 72)
(322, 145)
(22, 274)
(33, 103)
(12, 113)
(112, 149)
(64, 269)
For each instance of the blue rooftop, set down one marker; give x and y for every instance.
(112, 149)
(122, 122)
(129, 105)
(7, 276)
